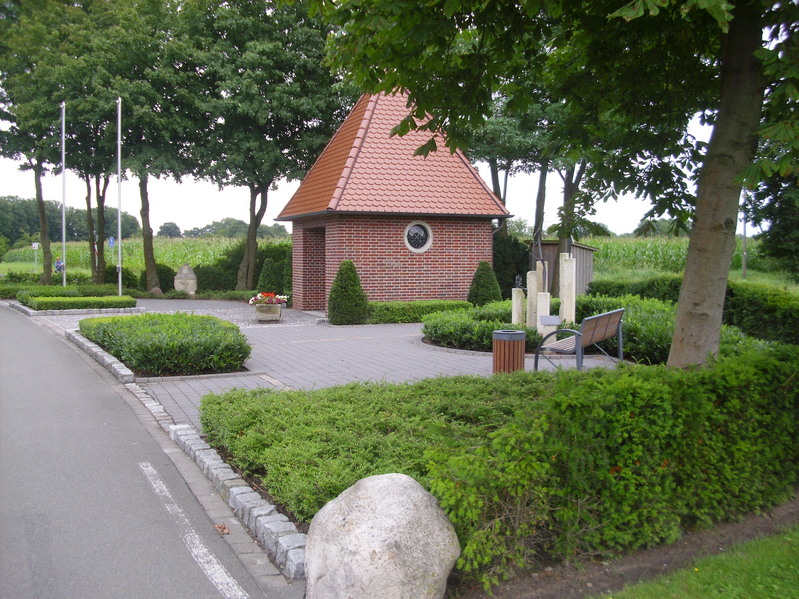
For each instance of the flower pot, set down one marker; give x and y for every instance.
(268, 312)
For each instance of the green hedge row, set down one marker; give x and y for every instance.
(170, 344)
(758, 310)
(560, 463)
(77, 303)
(400, 312)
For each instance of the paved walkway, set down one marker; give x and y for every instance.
(300, 353)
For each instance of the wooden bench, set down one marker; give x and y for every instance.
(592, 330)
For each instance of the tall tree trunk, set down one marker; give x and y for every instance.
(44, 229)
(731, 149)
(100, 188)
(493, 167)
(90, 228)
(540, 200)
(150, 270)
(246, 275)
(568, 222)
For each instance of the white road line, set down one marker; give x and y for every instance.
(210, 565)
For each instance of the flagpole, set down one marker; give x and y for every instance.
(63, 194)
(119, 193)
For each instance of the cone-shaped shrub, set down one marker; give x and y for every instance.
(484, 287)
(347, 303)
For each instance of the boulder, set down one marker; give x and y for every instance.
(383, 537)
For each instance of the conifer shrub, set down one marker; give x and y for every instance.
(484, 287)
(347, 303)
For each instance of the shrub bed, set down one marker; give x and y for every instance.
(170, 344)
(758, 310)
(560, 464)
(400, 312)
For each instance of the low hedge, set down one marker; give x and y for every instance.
(646, 331)
(78, 303)
(537, 464)
(401, 312)
(758, 310)
(170, 344)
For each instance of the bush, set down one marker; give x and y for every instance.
(758, 310)
(560, 464)
(79, 303)
(170, 344)
(347, 303)
(484, 287)
(129, 279)
(647, 327)
(166, 278)
(399, 312)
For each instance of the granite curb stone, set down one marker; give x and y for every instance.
(281, 540)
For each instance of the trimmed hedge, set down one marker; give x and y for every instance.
(401, 312)
(647, 329)
(78, 303)
(170, 344)
(758, 310)
(559, 464)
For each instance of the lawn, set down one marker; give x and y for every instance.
(766, 568)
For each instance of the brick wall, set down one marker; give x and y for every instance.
(387, 268)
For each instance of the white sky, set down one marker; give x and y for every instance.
(192, 204)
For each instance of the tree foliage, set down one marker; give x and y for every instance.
(269, 102)
(776, 202)
(628, 87)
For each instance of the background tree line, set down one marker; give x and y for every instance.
(19, 220)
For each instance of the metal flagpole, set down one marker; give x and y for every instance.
(63, 194)
(119, 193)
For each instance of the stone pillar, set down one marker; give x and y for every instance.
(186, 280)
(517, 305)
(532, 295)
(543, 311)
(568, 288)
(542, 268)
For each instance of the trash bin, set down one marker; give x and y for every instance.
(508, 350)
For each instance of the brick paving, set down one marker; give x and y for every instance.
(300, 352)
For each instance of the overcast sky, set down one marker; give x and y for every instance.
(193, 204)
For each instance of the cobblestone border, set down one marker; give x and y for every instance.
(71, 312)
(283, 543)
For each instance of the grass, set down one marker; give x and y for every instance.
(766, 568)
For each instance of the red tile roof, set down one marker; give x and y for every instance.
(364, 169)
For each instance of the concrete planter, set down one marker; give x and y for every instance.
(268, 312)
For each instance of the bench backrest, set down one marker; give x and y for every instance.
(600, 327)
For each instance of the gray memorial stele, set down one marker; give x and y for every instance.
(186, 280)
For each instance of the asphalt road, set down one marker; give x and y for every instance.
(90, 503)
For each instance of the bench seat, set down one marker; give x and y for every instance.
(593, 330)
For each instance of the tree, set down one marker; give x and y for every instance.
(453, 55)
(169, 230)
(776, 202)
(270, 103)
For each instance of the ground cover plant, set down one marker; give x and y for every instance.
(170, 344)
(561, 464)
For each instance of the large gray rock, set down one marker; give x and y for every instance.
(383, 537)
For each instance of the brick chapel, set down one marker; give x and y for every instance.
(416, 227)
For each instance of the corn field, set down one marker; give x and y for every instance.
(661, 254)
(169, 251)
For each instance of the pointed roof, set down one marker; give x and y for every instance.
(365, 170)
